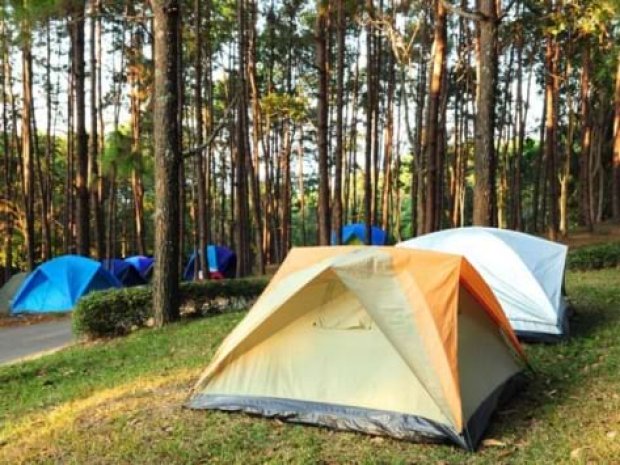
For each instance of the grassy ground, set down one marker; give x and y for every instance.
(120, 402)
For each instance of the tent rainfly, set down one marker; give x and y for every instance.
(525, 272)
(221, 260)
(355, 234)
(379, 340)
(57, 285)
(7, 292)
(124, 271)
(143, 264)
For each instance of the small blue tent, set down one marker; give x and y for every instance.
(143, 264)
(355, 233)
(124, 271)
(57, 285)
(221, 260)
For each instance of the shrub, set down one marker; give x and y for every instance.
(115, 312)
(594, 257)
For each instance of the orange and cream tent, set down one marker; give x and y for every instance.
(407, 343)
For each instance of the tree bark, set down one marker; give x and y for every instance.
(616, 149)
(81, 148)
(586, 140)
(253, 162)
(484, 160)
(368, 155)
(322, 115)
(551, 125)
(199, 174)
(341, 30)
(27, 152)
(93, 182)
(167, 160)
(433, 125)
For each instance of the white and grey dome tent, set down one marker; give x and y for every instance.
(525, 272)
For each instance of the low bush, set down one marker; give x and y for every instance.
(116, 312)
(594, 257)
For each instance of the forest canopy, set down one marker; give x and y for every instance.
(297, 117)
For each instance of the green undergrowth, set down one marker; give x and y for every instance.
(116, 312)
(594, 257)
(120, 402)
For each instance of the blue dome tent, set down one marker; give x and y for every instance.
(221, 260)
(355, 234)
(124, 271)
(57, 285)
(143, 264)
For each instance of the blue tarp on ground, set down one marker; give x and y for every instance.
(57, 285)
(124, 271)
(221, 260)
(355, 233)
(143, 264)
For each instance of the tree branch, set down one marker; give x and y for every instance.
(474, 15)
(214, 133)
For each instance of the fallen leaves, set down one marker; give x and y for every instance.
(490, 442)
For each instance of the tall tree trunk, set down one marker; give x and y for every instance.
(300, 180)
(201, 219)
(323, 109)
(27, 151)
(45, 180)
(93, 179)
(484, 161)
(341, 31)
(8, 152)
(135, 98)
(68, 216)
(616, 149)
(568, 150)
(368, 157)
(81, 148)
(551, 125)
(388, 147)
(253, 162)
(241, 157)
(167, 160)
(586, 140)
(433, 126)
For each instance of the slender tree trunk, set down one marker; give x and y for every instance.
(201, 219)
(551, 124)
(433, 126)
(167, 160)
(27, 152)
(253, 161)
(83, 215)
(484, 162)
(388, 147)
(323, 110)
(586, 140)
(341, 31)
(45, 181)
(568, 151)
(241, 157)
(68, 216)
(8, 153)
(137, 186)
(421, 134)
(300, 180)
(93, 179)
(616, 149)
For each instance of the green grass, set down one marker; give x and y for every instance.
(120, 402)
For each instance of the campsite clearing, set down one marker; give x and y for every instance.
(120, 402)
